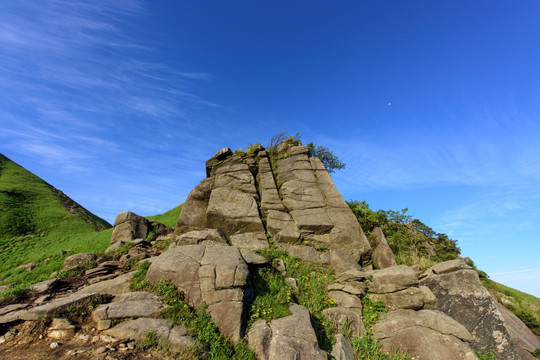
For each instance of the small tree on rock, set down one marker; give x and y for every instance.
(329, 160)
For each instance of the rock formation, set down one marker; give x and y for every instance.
(250, 201)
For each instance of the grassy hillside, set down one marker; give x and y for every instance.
(168, 218)
(39, 222)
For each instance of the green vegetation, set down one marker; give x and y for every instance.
(524, 306)
(485, 355)
(367, 348)
(329, 160)
(40, 223)
(364, 346)
(197, 322)
(411, 240)
(168, 218)
(273, 295)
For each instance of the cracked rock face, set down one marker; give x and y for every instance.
(291, 337)
(209, 274)
(461, 296)
(291, 197)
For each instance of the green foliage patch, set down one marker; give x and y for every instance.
(406, 236)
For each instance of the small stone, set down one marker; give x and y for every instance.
(101, 350)
(279, 265)
(2, 339)
(54, 345)
(103, 325)
(107, 338)
(84, 338)
(131, 345)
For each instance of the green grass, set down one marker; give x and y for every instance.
(524, 306)
(168, 218)
(39, 222)
(312, 281)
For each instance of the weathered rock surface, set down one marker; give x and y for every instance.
(410, 298)
(133, 304)
(382, 254)
(519, 332)
(164, 331)
(129, 226)
(213, 275)
(347, 319)
(56, 305)
(460, 295)
(61, 329)
(342, 350)
(267, 187)
(391, 279)
(79, 261)
(282, 227)
(291, 337)
(424, 335)
(206, 236)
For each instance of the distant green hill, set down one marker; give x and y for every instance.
(38, 221)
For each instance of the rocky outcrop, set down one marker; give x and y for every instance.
(461, 296)
(208, 274)
(382, 254)
(291, 337)
(290, 197)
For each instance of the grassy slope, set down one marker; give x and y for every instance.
(35, 224)
(168, 218)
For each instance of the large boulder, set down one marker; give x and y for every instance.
(129, 226)
(209, 274)
(391, 279)
(291, 337)
(129, 305)
(461, 296)
(424, 335)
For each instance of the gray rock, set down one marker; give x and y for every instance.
(117, 286)
(343, 349)
(410, 298)
(251, 258)
(61, 329)
(460, 295)
(394, 321)
(233, 211)
(44, 286)
(56, 305)
(133, 304)
(391, 279)
(206, 236)
(267, 187)
(129, 226)
(347, 320)
(251, 241)
(520, 334)
(212, 275)
(193, 214)
(282, 227)
(291, 337)
(138, 328)
(344, 299)
(79, 261)
(382, 254)
(413, 340)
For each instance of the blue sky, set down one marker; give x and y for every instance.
(432, 105)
